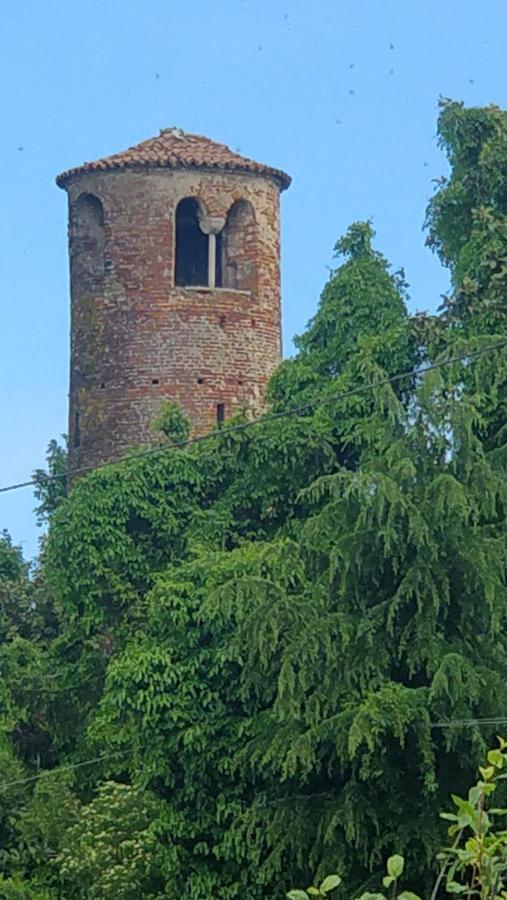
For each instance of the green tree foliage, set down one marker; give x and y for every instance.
(22, 667)
(266, 625)
(51, 484)
(27, 623)
(467, 215)
(172, 423)
(467, 224)
(12, 567)
(475, 863)
(110, 853)
(360, 333)
(361, 300)
(298, 677)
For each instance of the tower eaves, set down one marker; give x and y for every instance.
(174, 148)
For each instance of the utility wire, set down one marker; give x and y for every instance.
(58, 769)
(271, 417)
(98, 759)
(458, 723)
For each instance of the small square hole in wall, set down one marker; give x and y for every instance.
(254, 323)
(155, 381)
(240, 381)
(221, 321)
(102, 385)
(200, 381)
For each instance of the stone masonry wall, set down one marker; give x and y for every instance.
(136, 339)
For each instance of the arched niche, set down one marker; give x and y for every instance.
(238, 248)
(87, 242)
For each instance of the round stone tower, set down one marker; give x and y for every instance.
(175, 289)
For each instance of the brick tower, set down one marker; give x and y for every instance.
(175, 289)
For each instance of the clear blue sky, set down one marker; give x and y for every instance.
(342, 94)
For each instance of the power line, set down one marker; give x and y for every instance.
(70, 767)
(271, 417)
(457, 723)
(98, 759)
(53, 677)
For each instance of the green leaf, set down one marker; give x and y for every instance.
(408, 895)
(475, 793)
(395, 866)
(313, 891)
(297, 895)
(369, 896)
(454, 888)
(496, 758)
(330, 883)
(467, 814)
(388, 880)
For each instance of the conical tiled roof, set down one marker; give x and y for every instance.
(175, 149)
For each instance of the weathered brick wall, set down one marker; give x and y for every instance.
(136, 339)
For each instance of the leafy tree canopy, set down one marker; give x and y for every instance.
(12, 567)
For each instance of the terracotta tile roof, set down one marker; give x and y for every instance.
(174, 149)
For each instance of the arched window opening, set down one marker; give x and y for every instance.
(191, 262)
(87, 242)
(238, 248)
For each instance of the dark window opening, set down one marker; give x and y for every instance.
(220, 413)
(218, 259)
(102, 385)
(221, 321)
(77, 431)
(191, 262)
(200, 381)
(254, 323)
(155, 381)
